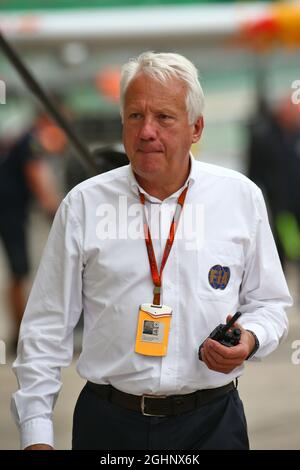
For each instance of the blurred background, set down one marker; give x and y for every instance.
(248, 56)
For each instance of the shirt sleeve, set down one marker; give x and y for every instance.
(264, 294)
(46, 334)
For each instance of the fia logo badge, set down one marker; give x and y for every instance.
(219, 276)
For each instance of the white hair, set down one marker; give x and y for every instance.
(162, 67)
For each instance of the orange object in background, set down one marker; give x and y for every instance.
(280, 26)
(52, 138)
(49, 135)
(288, 17)
(108, 83)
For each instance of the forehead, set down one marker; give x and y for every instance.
(145, 90)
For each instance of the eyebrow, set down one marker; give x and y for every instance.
(162, 110)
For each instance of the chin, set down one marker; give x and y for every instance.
(148, 165)
(147, 173)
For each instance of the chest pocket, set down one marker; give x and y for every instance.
(221, 267)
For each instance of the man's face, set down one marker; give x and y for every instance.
(156, 133)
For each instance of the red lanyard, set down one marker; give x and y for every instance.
(157, 276)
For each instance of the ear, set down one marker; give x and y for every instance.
(197, 129)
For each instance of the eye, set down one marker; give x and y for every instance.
(165, 117)
(135, 116)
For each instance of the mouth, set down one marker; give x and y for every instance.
(148, 151)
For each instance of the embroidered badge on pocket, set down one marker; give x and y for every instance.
(219, 276)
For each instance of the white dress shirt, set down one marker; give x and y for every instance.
(95, 260)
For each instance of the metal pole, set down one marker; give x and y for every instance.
(82, 151)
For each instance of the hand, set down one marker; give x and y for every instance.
(224, 359)
(39, 447)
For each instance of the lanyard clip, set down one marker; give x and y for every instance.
(156, 295)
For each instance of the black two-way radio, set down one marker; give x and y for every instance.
(224, 334)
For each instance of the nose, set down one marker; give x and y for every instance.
(147, 130)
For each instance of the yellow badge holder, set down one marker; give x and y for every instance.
(154, 320)
(153, 330)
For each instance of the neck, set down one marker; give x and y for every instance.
(156, 191)
(162, 188)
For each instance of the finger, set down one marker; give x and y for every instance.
(233, 353)
(219, 355)
(213, 365)
(218, 360)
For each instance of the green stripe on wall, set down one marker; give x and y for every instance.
(28, 5)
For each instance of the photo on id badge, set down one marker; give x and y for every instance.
(153, 330)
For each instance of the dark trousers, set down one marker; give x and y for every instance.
(101, 425)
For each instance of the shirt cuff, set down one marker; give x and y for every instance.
(261, 336)
(37, 431)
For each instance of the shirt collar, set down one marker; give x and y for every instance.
(136, 187)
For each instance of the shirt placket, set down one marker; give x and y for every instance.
(169, 296)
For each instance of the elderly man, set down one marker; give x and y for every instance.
(122, 249)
